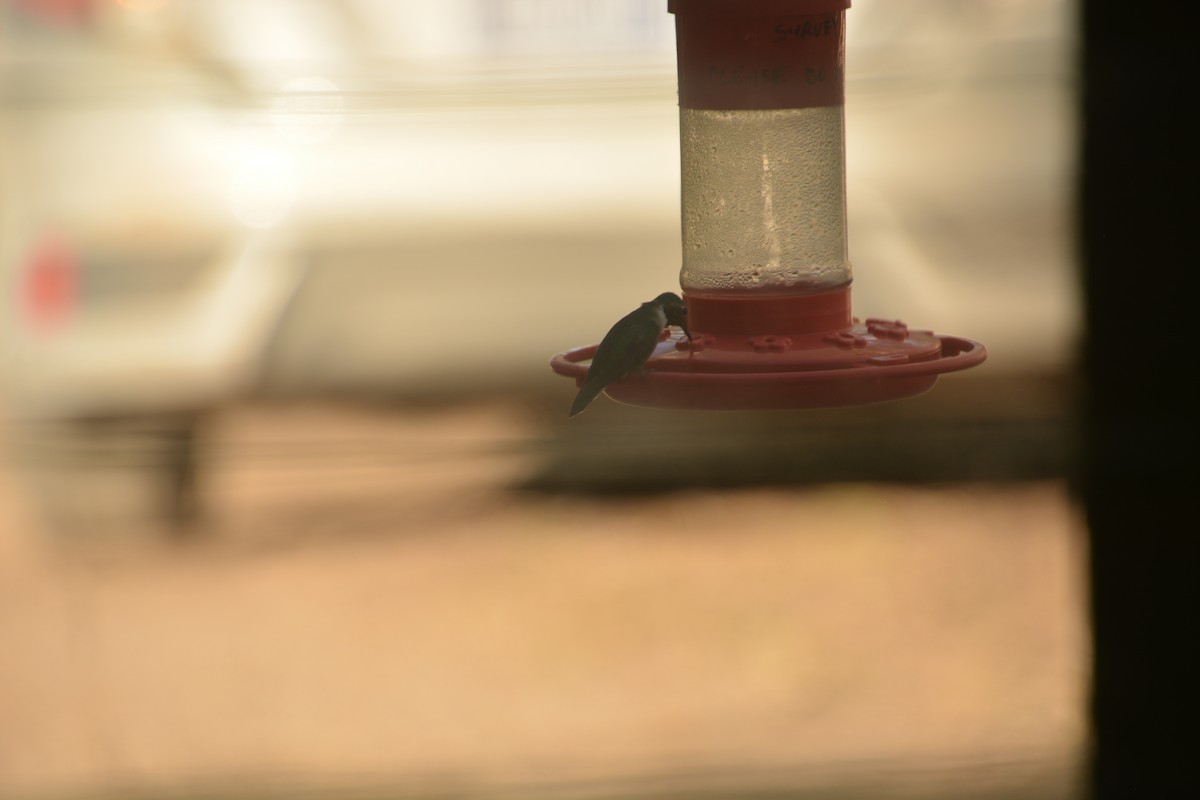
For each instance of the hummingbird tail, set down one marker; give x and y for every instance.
(587, 393)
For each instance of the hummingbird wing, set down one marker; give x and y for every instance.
(624, 349)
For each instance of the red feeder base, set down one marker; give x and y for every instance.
(783, 351)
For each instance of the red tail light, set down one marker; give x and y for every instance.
(51, 285)
(65, 13)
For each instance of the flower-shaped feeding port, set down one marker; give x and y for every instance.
(766, 274)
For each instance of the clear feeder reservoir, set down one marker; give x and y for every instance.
(764, 200)
(762, 144)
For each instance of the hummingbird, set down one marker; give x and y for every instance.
(629, 344)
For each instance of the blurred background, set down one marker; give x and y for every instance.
(290, 504)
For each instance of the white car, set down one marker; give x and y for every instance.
(195, 213)
(140, 284)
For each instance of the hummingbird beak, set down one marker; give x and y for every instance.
(683, 323)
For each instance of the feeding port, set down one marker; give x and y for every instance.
(766, 273)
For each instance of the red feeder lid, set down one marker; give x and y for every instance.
(741, 54)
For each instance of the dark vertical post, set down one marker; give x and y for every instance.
(1139, 219)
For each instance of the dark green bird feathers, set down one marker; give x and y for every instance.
(629, 344)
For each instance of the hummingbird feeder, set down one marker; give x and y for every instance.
(766, 274)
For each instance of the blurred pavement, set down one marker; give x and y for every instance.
(374, 609)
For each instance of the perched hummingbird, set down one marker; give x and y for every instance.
(629, 343)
